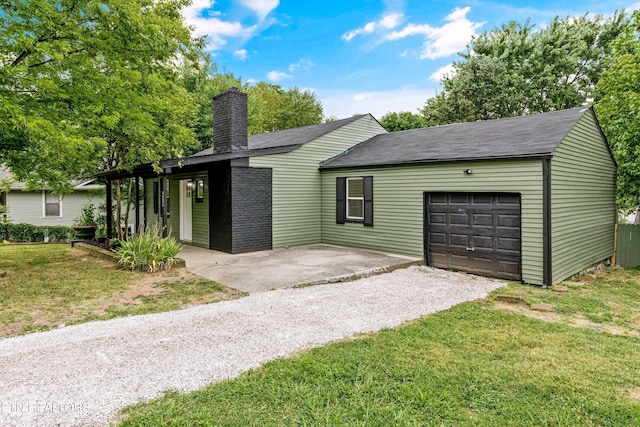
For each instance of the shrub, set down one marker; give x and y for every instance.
(23, 232)
(87, 215)
(148, 251)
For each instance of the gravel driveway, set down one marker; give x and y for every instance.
(84, 374)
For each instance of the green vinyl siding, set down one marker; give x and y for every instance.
(200, 211)
(296, 181)
(582, 200)
(398, 204)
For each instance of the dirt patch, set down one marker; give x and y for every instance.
(634, 394)
(580, 321)
(575, 321)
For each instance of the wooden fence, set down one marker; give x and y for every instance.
(628, 245)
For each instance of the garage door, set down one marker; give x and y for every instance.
(474, 232)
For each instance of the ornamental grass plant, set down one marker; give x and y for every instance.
(148, 250)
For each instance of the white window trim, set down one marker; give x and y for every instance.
(44, 206)
(347, 198)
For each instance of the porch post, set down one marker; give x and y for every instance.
(137, 196)
(109, 211)
(164, 185)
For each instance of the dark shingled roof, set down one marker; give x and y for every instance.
(535, 135)
(290, 137)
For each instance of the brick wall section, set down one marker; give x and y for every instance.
(251, 209)
(230, 121)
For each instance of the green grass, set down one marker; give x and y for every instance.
(472, 365)
(608, 299)
(47, 285)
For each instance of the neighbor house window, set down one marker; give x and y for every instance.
(354, 200)
(52, 204)
(3, 198)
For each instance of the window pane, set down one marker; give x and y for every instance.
(355, 208)
(356, 187)
(3, 198)
(51, 198)
(52, 209)
(52, 204)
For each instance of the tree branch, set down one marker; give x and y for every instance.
(53, 60)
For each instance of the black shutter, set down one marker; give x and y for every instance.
(368, 200)
(341, 195)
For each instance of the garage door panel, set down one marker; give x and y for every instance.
(438, 218)
(509, 220)
(437, 238)
(483, 242)
(455, 198)
(438, 199)
(510, 270)
(459, 240)
(483, 219)
(509, 244)
(482, 199)
(458, 218)
(475, 232)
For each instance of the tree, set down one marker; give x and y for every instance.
(90, 84)
(403, 120)
(273, 108)
(203, 82)
(515, 70)
(619, 113)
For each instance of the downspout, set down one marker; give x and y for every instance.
(547, 273)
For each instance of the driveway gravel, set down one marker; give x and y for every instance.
(84, 374)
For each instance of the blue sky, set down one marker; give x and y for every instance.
(361, 56)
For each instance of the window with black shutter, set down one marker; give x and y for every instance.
(354, 200)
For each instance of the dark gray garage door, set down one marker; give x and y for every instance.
(474, 232)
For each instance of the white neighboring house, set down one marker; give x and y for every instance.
(42, 207)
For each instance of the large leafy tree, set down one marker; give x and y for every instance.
(273, 108)
(270, 107)
(619, 113)
(516, 69)
(203, 82)
(403, 120)
(91, 84)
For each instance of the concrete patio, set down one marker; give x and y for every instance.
(293, 267)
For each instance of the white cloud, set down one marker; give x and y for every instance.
(346, 104)
(441, 72)
(387, 22)
(262, 8)
(443, 41)
(207, 22)
(241, 54)
(302, 64)
(276, 76)
(632, 7)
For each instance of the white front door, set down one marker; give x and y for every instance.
(186, 191)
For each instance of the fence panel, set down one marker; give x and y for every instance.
(628, 246)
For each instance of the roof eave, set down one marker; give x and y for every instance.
(448, 160)
(168, 166)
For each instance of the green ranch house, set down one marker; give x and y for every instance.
(529, 199)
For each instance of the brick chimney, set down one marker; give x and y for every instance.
(230, 121)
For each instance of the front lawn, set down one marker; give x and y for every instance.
(46, 286)
(484, 363)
